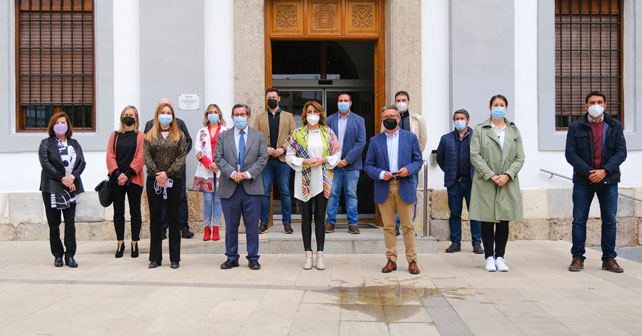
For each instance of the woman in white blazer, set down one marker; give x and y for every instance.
(207, 173)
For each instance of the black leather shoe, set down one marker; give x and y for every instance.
(154, 264)
(254, 265)
(229, 264)
(71, 262)
(174, 265)
(396, 231)
(58, 262)
(453, 248)
(135, 250)
(477, 249)
(164, 236)
(187, 234)
(120, 251)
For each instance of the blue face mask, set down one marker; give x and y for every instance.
(460, 125)
(498, 112)
(165, 119)
(213, 118)
(240, 122)
(344, 107)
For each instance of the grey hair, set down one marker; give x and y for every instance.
(391, 107)
(461, 111)
(247, 109)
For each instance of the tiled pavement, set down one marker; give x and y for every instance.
(452, 296)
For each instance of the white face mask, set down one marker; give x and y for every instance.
(402, 107)
(312, 119)
(596, 111)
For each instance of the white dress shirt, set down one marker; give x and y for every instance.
(501, 134)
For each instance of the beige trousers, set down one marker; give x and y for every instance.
(388, 209)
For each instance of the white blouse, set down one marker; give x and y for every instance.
(315, 150)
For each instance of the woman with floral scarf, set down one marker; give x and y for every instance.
(313, 152)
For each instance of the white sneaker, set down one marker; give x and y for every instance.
(308, 260)
(501, 265)
(490, 264)
(320, 265)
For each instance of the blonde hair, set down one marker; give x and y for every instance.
(152, 135)
(218, 111)
(122, 117)
(318, 107)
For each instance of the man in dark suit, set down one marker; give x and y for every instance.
(350, 128)
(453, 157)
(393, 157)
(241, 154)
(182, 210)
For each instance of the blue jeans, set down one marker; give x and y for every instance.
(348, 180)
(582, 197)
(279, 171)
(182, 207)
(415, 178)
(457, 193)
(212, 208)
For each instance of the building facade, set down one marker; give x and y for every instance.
(543, 55)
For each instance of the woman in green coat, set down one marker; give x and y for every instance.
(497, 154)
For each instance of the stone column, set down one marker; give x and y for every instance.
(249, 54)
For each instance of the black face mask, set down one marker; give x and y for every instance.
(390, 124)
(128, 121)
(272, 103)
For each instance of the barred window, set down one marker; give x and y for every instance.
(54, 63)
(588, 56)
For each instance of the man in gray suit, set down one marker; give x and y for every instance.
(241, 155)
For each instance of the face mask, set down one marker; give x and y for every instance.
(390, 124)
(498, 112)
(344, 107)
(213, 118)
(312, 119)
(460, 125)
(128, 121)
(60, 128)
(272, 103)
(402, 107)
(165, 119)
(596, 111)
(240, 122)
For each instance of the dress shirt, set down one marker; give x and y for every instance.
(392, 143)
(342, 123)
(501, 134)
(237, 138)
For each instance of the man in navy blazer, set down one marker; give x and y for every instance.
(453, 157)
(393, 157)
(350, 128)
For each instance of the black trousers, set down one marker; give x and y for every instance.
(320, 204)
(53, 219)
(494, 237)
(155, 202)
(134, 193)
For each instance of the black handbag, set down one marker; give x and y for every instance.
(105, 195)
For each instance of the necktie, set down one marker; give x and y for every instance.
(241, 150)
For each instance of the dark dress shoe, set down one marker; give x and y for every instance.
(134, 250)
(71, 262)
(174, 265)
(413, 268)
(120, 251)
(187, 234)
(453, 248)
(287, 228)
(397, 231)
(154, 264)
(229, 263)
(58, 262)
(164, 236)
(263, 228)
(577, 264)
(254, 265)
(390, 266)
(612, 266)
(477, 249)
(354, 229)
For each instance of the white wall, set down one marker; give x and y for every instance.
(126, 56)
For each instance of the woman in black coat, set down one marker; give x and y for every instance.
(62, 163)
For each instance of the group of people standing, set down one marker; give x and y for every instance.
(237, 168)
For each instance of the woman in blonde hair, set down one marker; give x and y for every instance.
(125, 165)
(207, 173)
(164, 151)
(313, 152)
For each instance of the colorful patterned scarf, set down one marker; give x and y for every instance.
(299, 142)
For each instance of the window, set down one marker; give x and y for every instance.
(588, 56)
(54, 62)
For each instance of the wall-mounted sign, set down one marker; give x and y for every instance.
(188, 102)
